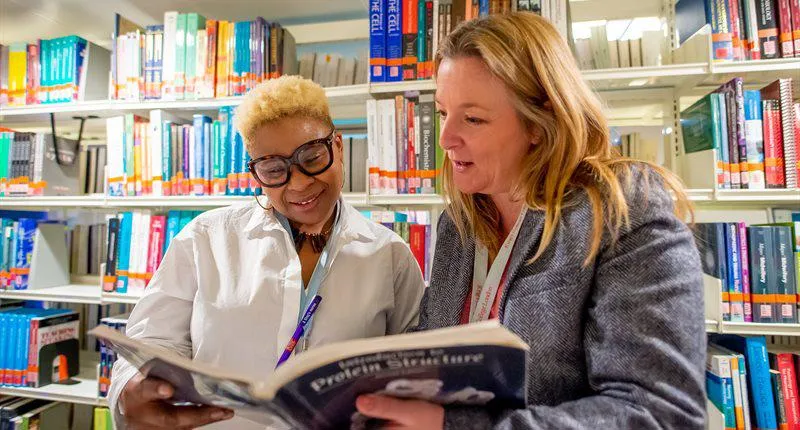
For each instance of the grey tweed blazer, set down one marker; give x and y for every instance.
(619, 344)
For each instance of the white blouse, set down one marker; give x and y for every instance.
(227, 293)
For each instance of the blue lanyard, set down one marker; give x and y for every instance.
(320, 270)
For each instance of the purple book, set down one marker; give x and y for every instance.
(748, 301)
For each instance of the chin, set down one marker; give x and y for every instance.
(468, 186)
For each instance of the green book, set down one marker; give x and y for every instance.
(438, 180)
(699, 126)
(194, 23)
(180, 56)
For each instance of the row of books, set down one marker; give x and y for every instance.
(403, 145)
(28, 165)
(166, 155)
(332, 70)
(400, 40)
(135, 245)
(755, 134)
(415, 228)
(59, 70)
(107, 355)
(86, 251)
(16, 248)
(92, 169)
(597, 52)
(758, 267)
(38, 346)
(754, 29)
(753, 384)
(17, 413)
(453, 12)
(191, 57)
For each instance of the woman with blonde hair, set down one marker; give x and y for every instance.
(235, 283)
(581, 253)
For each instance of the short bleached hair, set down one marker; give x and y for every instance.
(276, 99)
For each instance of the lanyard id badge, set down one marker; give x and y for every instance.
(485, 285)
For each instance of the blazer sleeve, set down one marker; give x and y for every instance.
(644, 335)
(162, 316)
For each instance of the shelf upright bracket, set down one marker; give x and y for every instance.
(54, 135)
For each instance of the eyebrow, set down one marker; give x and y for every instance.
(466, 105)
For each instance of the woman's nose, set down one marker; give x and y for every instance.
(448, 136)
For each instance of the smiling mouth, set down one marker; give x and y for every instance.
(306, 201)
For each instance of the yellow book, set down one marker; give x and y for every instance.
(102, 418)
(17, 78)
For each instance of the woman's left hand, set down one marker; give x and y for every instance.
(402, 414)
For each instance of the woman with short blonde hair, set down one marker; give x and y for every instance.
(236, 282)
(580, 252)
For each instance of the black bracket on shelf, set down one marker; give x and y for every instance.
(82, 119)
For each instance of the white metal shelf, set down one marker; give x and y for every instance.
(769, 195)
(73, 293)
(122, 298)
(87, 201)
(84, 392)
(759, 329)
(405, 199)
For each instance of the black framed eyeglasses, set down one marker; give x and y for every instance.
(312, 158)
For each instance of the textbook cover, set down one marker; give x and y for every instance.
(475, 364)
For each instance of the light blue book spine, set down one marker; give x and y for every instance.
(26, 233)
(239, 159)
(24, 347)
(758, 366)
(224, 145)
(13, 342)
(123, 263)
(173, 227)
(166, 155)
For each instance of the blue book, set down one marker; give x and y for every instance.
(377, 41)
(123, 262)
(734, 272)
(394, 41)
(26, 233)
(483, 8)
(173, 227)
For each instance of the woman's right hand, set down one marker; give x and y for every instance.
(144, 406)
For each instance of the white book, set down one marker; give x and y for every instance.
(306, 67)
(583, 53)
(200, 67)
(624, 53)
(386, 110)
(374, 146)
(347, 71)
(115, 143)
(613, 52)
(168, 59)
(600, 49)
(636, 52)
(652, 48)
(155, 136)
(332, 70)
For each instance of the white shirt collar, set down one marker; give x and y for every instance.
(353, 224)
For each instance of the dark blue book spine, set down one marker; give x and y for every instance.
(394, 41)
(377, 41)
(786, 288)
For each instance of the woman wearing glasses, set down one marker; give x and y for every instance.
(235, 283)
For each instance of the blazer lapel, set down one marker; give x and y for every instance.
(453, 296)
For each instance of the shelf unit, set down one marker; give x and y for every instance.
(82, 389)
(699, 196)
(653, 92)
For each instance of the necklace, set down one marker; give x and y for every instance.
(317, 240)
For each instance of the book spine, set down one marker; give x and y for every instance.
(110, 276)
(410, 23)
(759, 247)
(753, 48)
(796, 110)
(723, 133)
(788, 375)
(788, 135)
(741, 141)
(794, 5)
(785, 29)
(786, 291)
(735, 273)
(745, 266)
(733, 138)
(394, 41)
(773, 144)
(737, 38)
(777, 394)
(758, 366)
(754, 139)
(767, 28)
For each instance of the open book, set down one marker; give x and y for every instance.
(475, 364)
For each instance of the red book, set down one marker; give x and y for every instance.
(416, 239)
(410, 24)
(785, 29)
(411, 169)
(735, 28)
(156, 245)
(797, 134)
(795, 7)
(773, 144)
(783, 362)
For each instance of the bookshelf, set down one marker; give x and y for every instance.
(81, 390)
(636, 96)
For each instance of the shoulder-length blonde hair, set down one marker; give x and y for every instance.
(574, 152)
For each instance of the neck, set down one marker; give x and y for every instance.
(509, 211)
